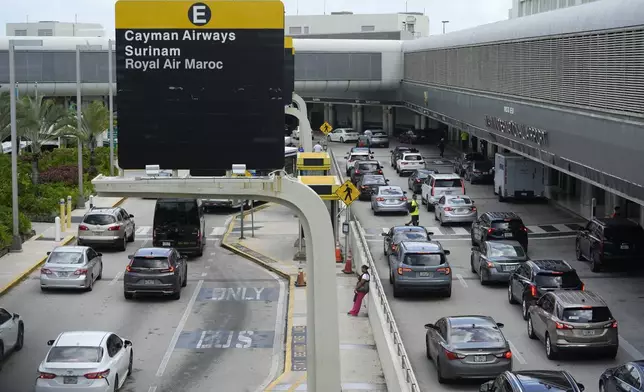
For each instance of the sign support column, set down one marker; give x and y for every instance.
(348, 193)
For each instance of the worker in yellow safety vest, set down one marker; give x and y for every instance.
(414, 211)
(464, 137)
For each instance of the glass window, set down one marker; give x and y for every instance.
(413, 158)
(507, 225)
(306, 30)
(422, 174)
(390, 191)
(624, 234)
(99, 220)
(424, 259)
(371, 166)
(75, 354)
(45, 32)
(294, 30)
(587, 315)
(475, 334)
(176, 212)
(448, 183)
(551, 280)
(4, 316)
(368, 28)
(374, 180)
(495, 249)
(459, 201)
(20, 33)
(150, 262)
(410, 236)
(62, 257)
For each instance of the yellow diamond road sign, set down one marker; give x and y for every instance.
(326, 128)
(348, 192)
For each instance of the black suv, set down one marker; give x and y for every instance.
(534, 278)
(533, 381)
(499, 226)
(610, 240)
(397, 152)
(179, 224)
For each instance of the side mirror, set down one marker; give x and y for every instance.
(487, 387)
(127, 343)
(383, 234)
(15, 316)
(404, 192)
(387, 181)
(99, 254)
(50, 342)
(447, 252)
(130, 256)
(391, 151)
(500, 325)
(430, 326)
(48, 253)
(581, 387)
(131, 216)
(430, 233)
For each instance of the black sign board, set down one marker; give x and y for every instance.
(289, 70)
(200, 85)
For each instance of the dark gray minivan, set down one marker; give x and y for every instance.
(180, 224)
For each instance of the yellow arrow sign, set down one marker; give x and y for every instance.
(348, 192)
(326, 128)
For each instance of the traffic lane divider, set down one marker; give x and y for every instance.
(31, 269)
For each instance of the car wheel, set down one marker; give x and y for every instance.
(501, 198)
(427, 353)
(184, 282)
(116, 383)
(1, 354)
(436, 216)
(129, 366)
(580, 257)
(511, 299)
(128, 295)
(391, 277)
(427, 206)
(396, 290)
(472, 264)
(595, 266)
(482, 277)
(448, 293)
(100, 273)
(524, 308)
(79, 243)
(531, 334)
(602, 388)
(472, 238)
(90, 283)
(341, 139)
(439, 373)
(551, 352)
(612, 353)
(177, 295)
(20, 341)
(123, 243)
(132, 237)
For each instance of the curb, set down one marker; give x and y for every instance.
(31, 269)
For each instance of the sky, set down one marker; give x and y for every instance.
(462, 14)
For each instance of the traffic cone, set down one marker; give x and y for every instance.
(300, 282)
(338, 253)
(348, 268)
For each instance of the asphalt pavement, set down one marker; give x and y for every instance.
(225, 333)
(623, 292)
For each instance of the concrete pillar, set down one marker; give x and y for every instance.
(391, 119)
(641, 216)
(326, 112)
(491, 150)
(360, 119)
(423, 122)
(585, 199)
(385, 120)
(354, 117)
(331, 119)
(417, 121)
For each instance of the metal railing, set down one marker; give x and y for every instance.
(381, 300)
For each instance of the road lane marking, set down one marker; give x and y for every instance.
(152, 388)
(536, 229)
(218, 231)
(207, 266)
(630, 349)
(212, 254)
(211, 260)
(177, 332)
(116, 279)
(460, 279)
(460, 231)
(562, 228)
(297, 383)
(204, 274)
(516, 354)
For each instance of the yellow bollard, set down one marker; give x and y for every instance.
(62, 214)
(69, 212)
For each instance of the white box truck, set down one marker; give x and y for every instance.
(516, 177)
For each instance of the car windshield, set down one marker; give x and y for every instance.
(507, 225)
(99, 219)
(374, 180)
(359, 157)
(459, 201)
(413, 158)
(496, 249)
(624, 234)
(410, 236)
(485, 165)
(371, 166)
(379, 134)
(65, 258)
(475, 334)
(448, 183)
(595, 314)
(75, 354)
(390, 191)
(176, 212)
(423, 259)
(149, 262)
(422, 174)
(560, 280)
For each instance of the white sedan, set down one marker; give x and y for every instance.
(343, 135)
(12, 333)
(86, 361)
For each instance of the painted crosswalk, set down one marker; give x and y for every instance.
(146, 231)
(464, 231)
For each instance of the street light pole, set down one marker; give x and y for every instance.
(16, 241)
(444, 22)
(111, 105)
(81, 197)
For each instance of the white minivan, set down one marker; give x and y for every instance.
(438, 185)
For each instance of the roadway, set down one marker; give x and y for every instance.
(623, 292)
(225, 333)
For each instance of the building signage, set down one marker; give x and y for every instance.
(197, 81)
(517, 130)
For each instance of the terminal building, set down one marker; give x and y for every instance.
(522, 8)
(54, 29)
(564, 88)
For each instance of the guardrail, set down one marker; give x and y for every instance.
(399, 374)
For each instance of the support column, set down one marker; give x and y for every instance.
(360, 119)
(354, 117)
(326, 112)
(585, 199)
(331, 119)
(423, 122)
(391, 119)
(491, 150)
(385, 121)
(417, 121)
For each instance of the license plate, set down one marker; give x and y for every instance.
(98, 233)
(588, 332)
(624, 246)
(461, 211)
(70, 380)
(391, 201)
(424, 274)
(524, 193)
(149, 281)
(507, 235)
(62, 274)
(166, 243)
(448, 192)
(509, 267)
(480, 358)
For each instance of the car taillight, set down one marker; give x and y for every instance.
(380, 199)
(171, 269)
(357, 171)
(473, 209)
(403, 270)
(452, 356)
(559, 325)
(128, 268)
(490, 231)
(524, 228)
(363, 187)
(380, 171)
(533, 291)
(489, 264)
(506, 355)
(114, 228)
(45, 271)
(417, 180)
(403, 198)
(80, 271)
(445, 270)
(98, 375)
(433, 189)
(83, 228)
(449, 209)
(393, 246)
(614, 324)
(583, 287)
(403, 163)
(47, 376)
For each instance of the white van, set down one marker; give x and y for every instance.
(516, 177)
(438, 185)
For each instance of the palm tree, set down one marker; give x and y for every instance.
(94, 121)
(39, 122)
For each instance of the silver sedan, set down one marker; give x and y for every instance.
(455, 209)
(389, 199)
(71, 267)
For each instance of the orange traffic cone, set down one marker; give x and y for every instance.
(300, 282)
(338, 253)
(348, 268)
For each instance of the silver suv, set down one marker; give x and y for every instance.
(106, 226)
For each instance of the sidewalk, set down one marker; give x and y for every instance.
(17, 266)
(276, 230)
